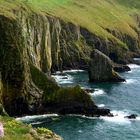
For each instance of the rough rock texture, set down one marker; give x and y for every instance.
(110, 47)
(29, 43)
(32, 45)
(101, 69)
(121, 68)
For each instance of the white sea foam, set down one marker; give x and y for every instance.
(80, 131)
(98, 92)
(101, 105)
(36, 117)
(138, 118)
(72, 71)
(63, 79)
(69, 71)
(137, 59)
(130, 81)
(134, 66)
(129, 71)
(119, 117)
(35, 123)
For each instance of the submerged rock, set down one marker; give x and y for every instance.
(101, 69)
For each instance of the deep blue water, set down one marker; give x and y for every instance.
(122, 98)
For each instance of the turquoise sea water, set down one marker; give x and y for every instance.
(122, 98)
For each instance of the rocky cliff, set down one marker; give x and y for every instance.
(31, 45)
(35, 44)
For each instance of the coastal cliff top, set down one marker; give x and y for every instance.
(95, 15)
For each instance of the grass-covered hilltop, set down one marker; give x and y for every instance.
(40, 37)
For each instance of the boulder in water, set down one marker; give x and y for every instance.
(103, 112)
(101, 69)
(121, 68)
(133, 116)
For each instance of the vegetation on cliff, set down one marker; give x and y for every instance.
(27, 55)
(15, 130)
(38, 37)
(97, 16)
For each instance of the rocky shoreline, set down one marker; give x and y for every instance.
(33, 45)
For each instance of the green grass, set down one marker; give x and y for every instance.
(95, 15)
(16, 130)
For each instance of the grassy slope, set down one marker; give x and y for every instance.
(16, 130)
(95, 15)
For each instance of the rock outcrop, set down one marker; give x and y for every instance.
(121, 68)
(34, 44)
(101, 69)
(30, 45)
(132, 116)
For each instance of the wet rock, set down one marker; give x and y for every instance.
(101, 69)
(103, 112)
(133, 116)
(89, 90)
(121, 68)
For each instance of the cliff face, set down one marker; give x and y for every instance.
(110, 47)
(29, 44)
(32, 45)
(103, 72)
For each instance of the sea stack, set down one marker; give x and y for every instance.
(101, 69)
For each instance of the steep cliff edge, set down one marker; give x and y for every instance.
(33, 44)
(29, 45)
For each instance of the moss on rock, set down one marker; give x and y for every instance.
(101, 69)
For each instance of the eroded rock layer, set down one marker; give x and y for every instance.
(32, 45)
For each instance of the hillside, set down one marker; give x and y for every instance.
(40, 37)
(95, 15)
(61, 34)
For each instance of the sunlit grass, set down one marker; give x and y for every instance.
(95, 15)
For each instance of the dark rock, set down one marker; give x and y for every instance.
(101, 69)
(133, 116)
(121, 68)
(137, 62)
(103, 112)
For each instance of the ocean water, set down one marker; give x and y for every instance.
(122, 98)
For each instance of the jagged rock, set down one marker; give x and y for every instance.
(89, 90)
(114, 50)
(31, 46)
(121, 68)
(103, 112)
(101, 69)
(133, 116)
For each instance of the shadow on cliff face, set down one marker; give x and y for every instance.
(31, 45)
